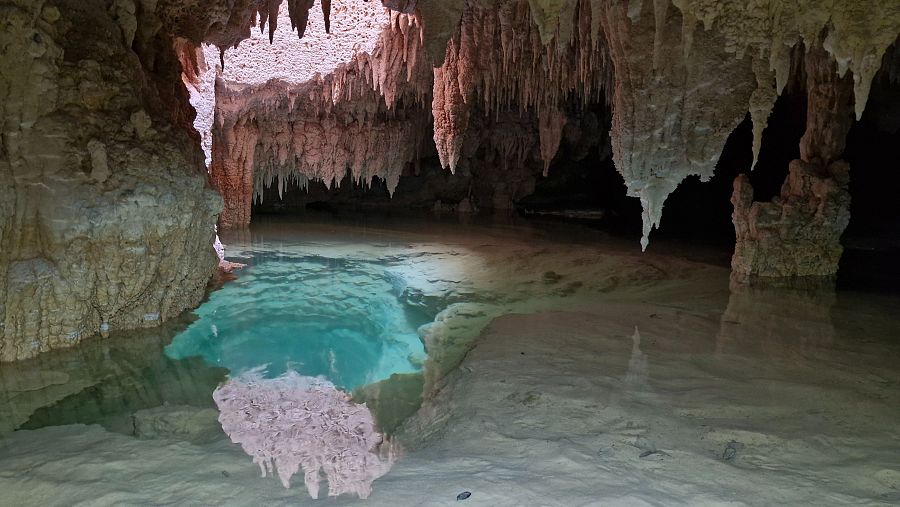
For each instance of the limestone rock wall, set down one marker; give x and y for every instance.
(106, 217)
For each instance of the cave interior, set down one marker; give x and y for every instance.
(507, 252)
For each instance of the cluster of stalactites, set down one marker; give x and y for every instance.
(299, 14)
(500, 59)
(348, 120)
(365, 118)
(736, 39)
(327, 150)
(856, 34)
(395, 69)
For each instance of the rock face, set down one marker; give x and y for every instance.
(106, 219)
(798, 233)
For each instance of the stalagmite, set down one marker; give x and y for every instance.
(798, 234)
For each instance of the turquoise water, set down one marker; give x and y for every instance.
(339, 318)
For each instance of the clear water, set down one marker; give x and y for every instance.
(338, 318)
(596, 375)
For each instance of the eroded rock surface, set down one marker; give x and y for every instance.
(799, 232)
(106, 219)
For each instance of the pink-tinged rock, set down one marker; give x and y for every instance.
(293, 422)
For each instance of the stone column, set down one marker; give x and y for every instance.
(231, 170)
(798, 233)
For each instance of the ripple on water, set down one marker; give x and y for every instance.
(333, 317)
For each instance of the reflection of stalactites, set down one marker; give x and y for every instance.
(637, 364)
(293, 422)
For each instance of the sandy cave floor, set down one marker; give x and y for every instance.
(597, 377)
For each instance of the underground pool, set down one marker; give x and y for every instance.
(340, 318)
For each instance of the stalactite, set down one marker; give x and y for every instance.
(299, 12)
(761, 103)
(671, 114)
(497, 60)
(366, 117)
(798, 234)
(550, 126)
(858, 33)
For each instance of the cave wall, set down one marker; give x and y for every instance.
(106, 217)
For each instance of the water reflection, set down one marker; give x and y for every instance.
(293, 422)
(771, 320)
(103, 381)
(644, 368)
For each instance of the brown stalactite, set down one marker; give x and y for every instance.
(326, 12)
(550, 126)
(268, 11)
(829, 112)
(299, 12)
(367, 117)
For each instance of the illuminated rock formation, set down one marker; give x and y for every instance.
(105, 214)
(285, 114)
(798, 234)
(677, 92)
